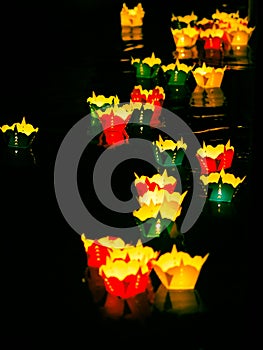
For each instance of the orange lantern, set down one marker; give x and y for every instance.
(132, 17)
(185, 37)
(208, 77)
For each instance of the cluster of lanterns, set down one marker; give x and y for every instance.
(215, 161)
(123, 271)
(119, 275)
(222, 34)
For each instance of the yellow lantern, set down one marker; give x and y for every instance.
(19, 135)
(208, 77)
(178, 270)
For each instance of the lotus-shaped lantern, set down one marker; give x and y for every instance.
(179, 22)
(212, 38)
(208, 76)
(126, 272)
(148, 105)
(177, 73)
(169, 153)
(215, 158)
(98, 249)
(95, 103)
(19, 135)
(132, 17)
(205, 23)
(100, 102)
(167, 205)
(159, 204)
(178, 270)
(240, 35)
(114, 120)
(222, 186)
(143, 184)
(147, 67)
(185, 37)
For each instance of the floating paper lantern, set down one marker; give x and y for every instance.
(177, 73)
(179, 22)
(125, 279)
(114, 120)
(137, 252)
(144, 183)
(169, 153)
(95, 103)
(19, 135)
(100, 102)
(215, 158)
(159, 208)
(132, 17)
(153, 96)
(205, 23)
(208, 77)
(148, 67)
(148, 104)
(178, 270)
(128, 277)
(212, 38)
(185, 37)
(239, 37)
(159, 202)
(222, 187)
(221, 18)
(97, 250)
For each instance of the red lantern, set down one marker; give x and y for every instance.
(213, 159)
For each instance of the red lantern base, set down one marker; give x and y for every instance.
(137, 307)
